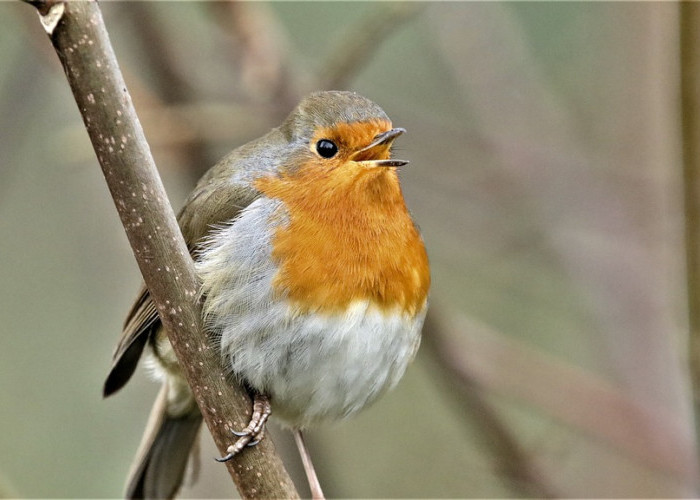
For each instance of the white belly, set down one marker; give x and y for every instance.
(316, 368)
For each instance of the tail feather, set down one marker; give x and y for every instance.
(160, 463)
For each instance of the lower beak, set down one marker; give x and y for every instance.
(385, 163)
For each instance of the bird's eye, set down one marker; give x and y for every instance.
(326, 148)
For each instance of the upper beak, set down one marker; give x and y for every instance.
(382, 139)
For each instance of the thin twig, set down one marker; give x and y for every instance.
(79, 36)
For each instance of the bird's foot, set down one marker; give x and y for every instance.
(254, 431)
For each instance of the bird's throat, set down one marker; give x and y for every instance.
(349, 238)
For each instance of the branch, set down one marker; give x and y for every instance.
(79, 36)
(690, 113)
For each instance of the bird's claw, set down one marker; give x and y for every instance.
(254, 431)
(225, 458)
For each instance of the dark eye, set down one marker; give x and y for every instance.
(326, 148)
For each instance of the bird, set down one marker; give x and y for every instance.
(314, 283)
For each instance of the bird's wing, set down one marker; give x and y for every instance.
(223, 200)
(141, 320)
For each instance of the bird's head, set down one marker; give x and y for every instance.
(342, 132)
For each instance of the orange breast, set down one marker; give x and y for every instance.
(349, 238)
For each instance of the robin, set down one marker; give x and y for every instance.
(314, 282)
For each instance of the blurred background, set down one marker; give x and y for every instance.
(546, 175)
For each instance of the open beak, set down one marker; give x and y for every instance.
(385, 138)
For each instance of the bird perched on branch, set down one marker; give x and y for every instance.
(314, 282)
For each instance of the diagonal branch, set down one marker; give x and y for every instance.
(80, 39)
(487, 362)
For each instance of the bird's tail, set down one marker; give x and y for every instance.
(160, 463)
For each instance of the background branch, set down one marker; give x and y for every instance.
(172, 87)
(353, 50)
(690, 98)
(497, 438)
(78, 34)
(260, 47)
(475, 361)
